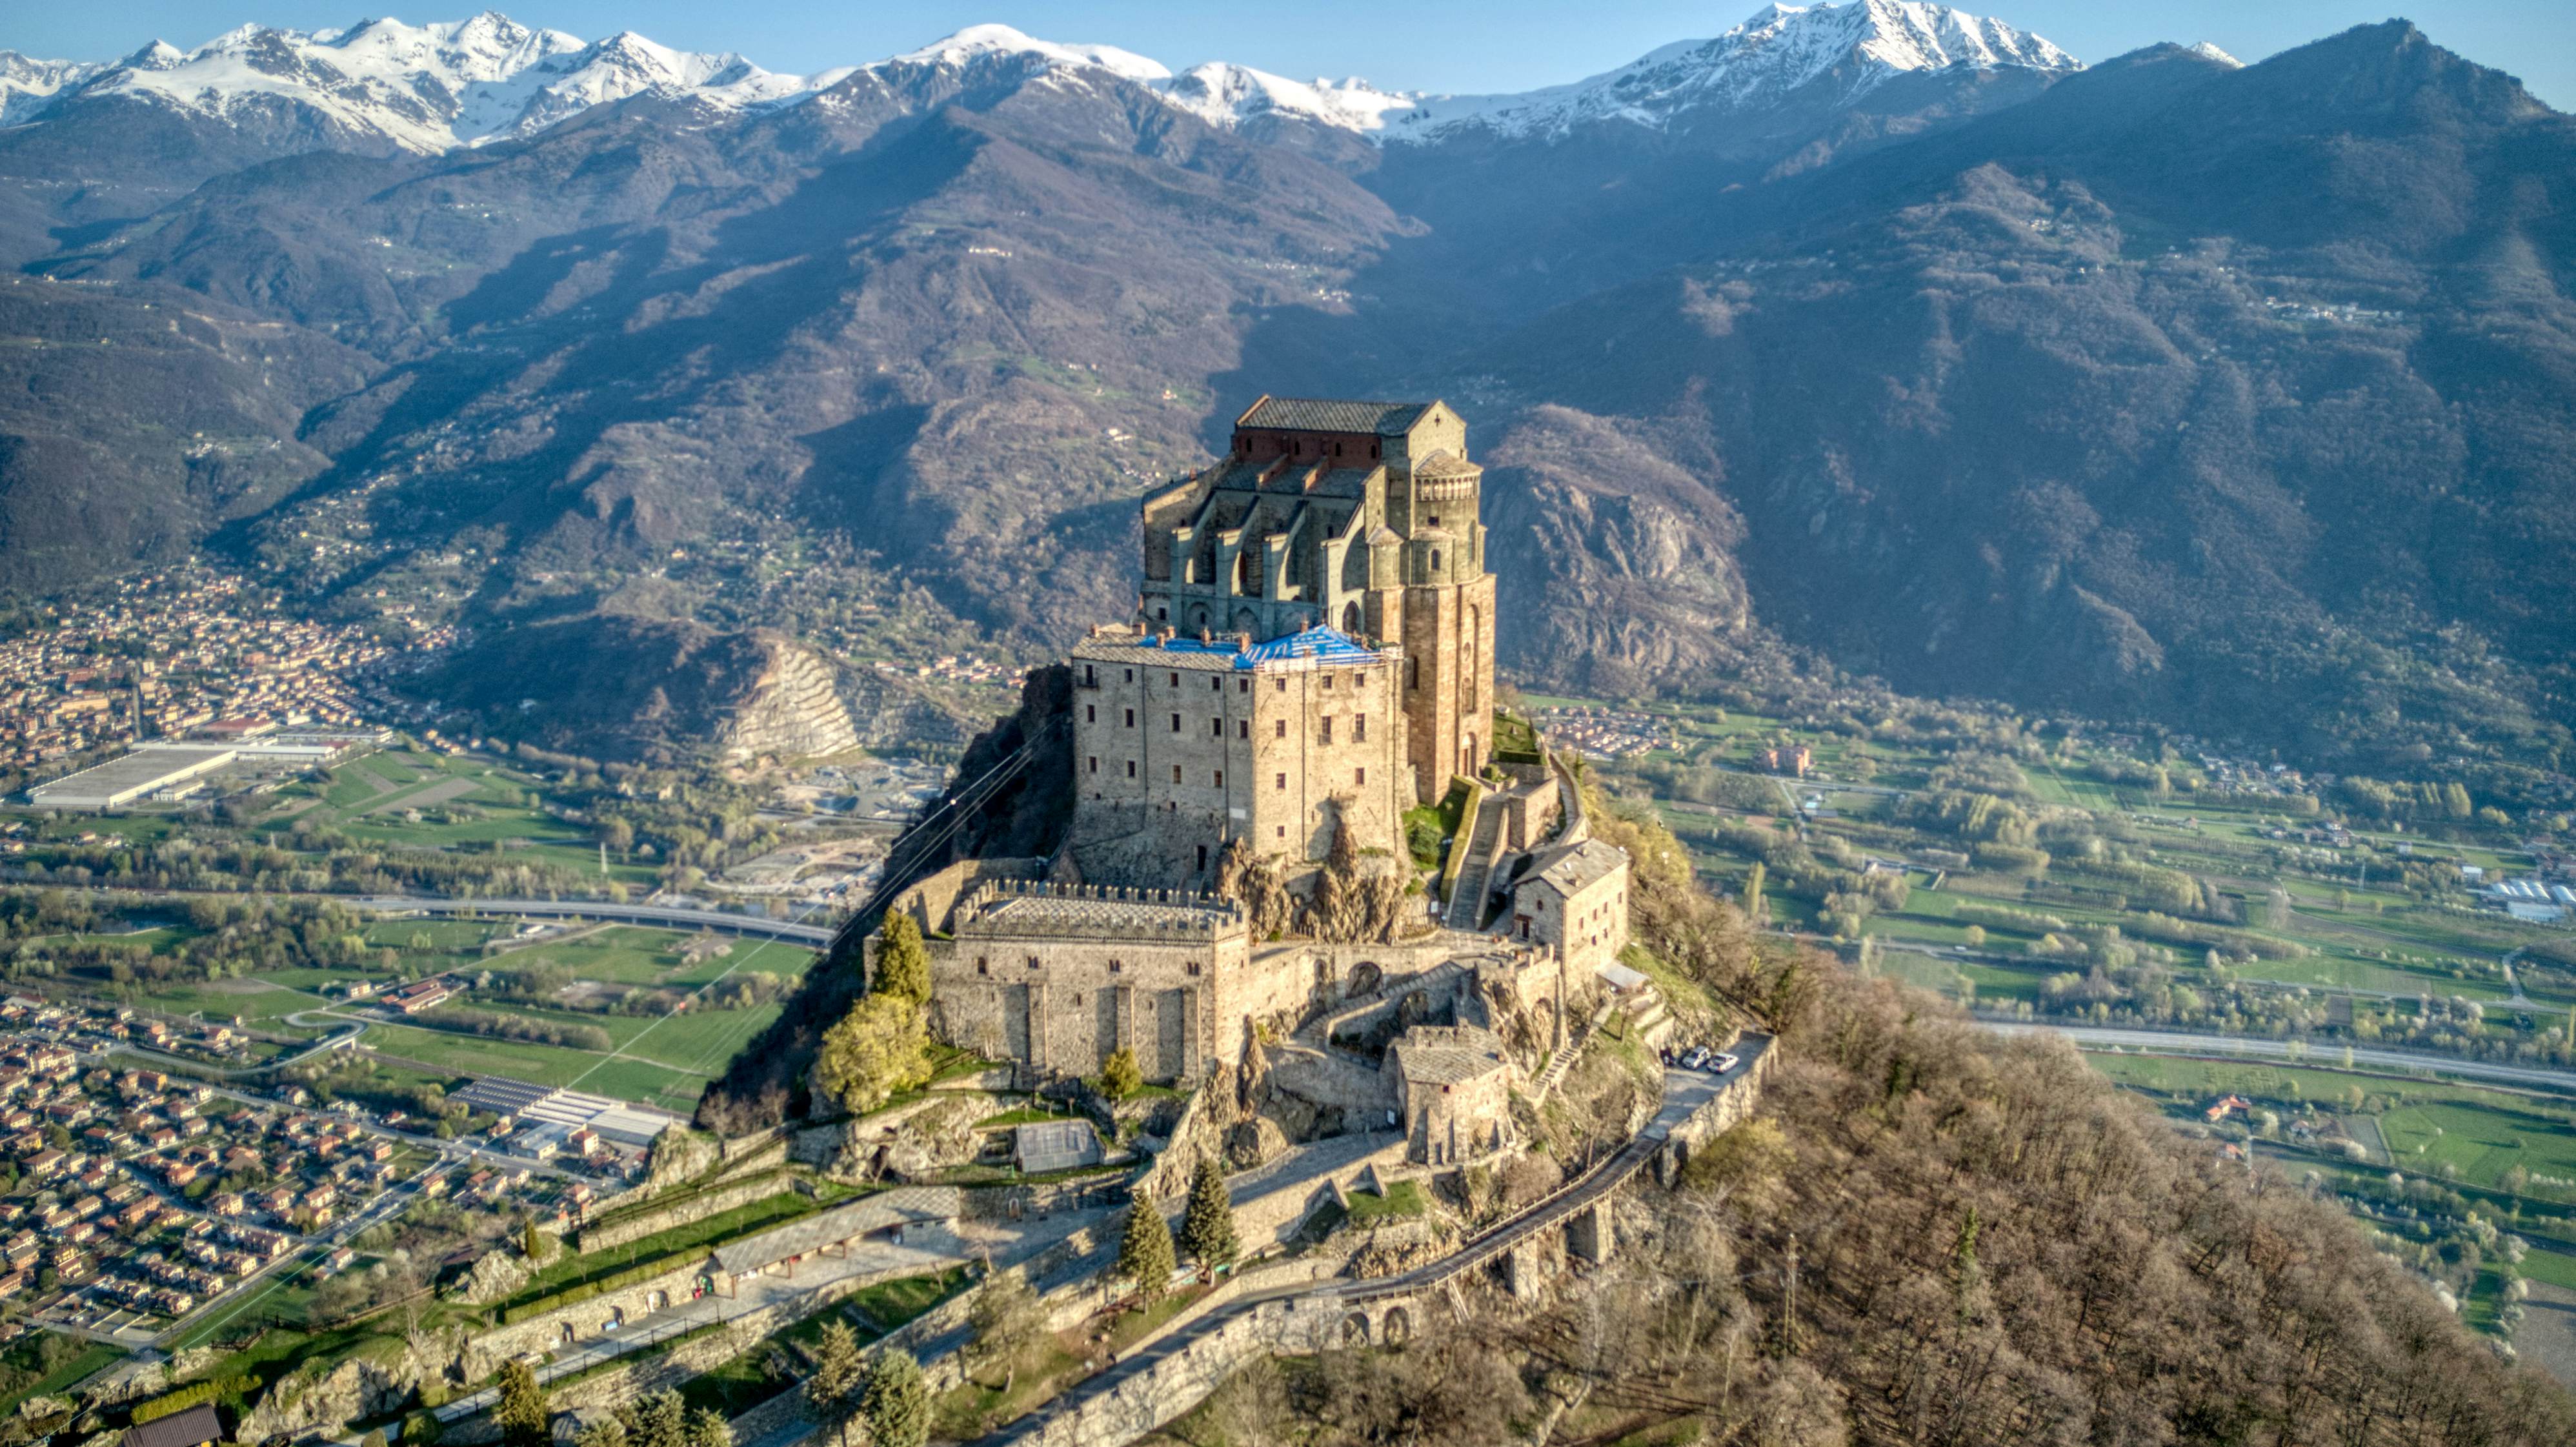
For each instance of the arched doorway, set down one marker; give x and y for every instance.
(1396, 1329)
(1467, 756)
(1351, 619)
(1355, 1330)
(1365, 978)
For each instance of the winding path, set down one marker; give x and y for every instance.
(1685, 1091)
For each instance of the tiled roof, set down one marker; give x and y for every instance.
(1570, 867)
(191, 1428)
(1304, 414)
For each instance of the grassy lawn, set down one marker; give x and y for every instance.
(1403, 1199)
(25, 1355)
(680, 1242)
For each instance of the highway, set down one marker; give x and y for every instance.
(2327, 1057)
(720, 921)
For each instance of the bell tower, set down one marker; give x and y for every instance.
(1443, 602)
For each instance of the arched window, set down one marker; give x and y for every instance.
(1247, 573)
(1351, 619)
(1435, 561)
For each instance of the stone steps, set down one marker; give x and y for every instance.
(1475, 877)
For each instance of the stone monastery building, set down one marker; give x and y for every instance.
(1312, 656)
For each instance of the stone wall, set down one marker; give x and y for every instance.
(1329, 1078)
(545, 1332)
(1714, 1119)
(713, 1199)
(1176, 752)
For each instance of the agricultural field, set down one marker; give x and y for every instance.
(643, 1014)
(2431, 1156)
(2035, 871)
(423, 800)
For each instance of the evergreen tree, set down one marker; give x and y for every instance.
(896, 1403)
(1753, 894)
(521, 1413)
(882, 1046)
(903, 964)
(837, 1375)
(1207, 1230)
(708, 1428)
(1145, 1251)
(528, 1243)
(1120, 1076)
(660, 1420)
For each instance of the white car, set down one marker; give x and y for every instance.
(1725, 1063)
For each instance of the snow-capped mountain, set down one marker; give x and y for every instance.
(432, 88)
(425, 88)
(1845, 51)
(28, 85)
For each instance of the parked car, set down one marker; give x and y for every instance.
(1725, 1063)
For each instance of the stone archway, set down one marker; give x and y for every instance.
(565, 1336)
(1355, 1329)
(1397, 1327)
(1365, 979)
(1351, 619)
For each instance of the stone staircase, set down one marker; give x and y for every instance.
(1649, 1023)
(1476, 876)
(1562, 1061)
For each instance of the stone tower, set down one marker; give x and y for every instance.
(1361, 517)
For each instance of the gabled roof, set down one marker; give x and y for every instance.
(192, 1428)
(1305, 414)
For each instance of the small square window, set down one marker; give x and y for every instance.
(1194, 967)
(1283, 831)
(1116, 968)
(1243, 685)
(1278, 685)
(1131, 675)
(1328, 680)
(1279, 729)
(1176, 680)
(983, 969)
(1215, 684)
(1033, 962)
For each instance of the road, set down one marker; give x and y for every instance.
(661, 914)
(2179, 1042)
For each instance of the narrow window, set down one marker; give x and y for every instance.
(983, 969)
(1176, 773)
(1116, 967)
(1193, 967)
(1362, 781)
(1413, 673)
(1435, 560)
(1090, 713)
(1216, 727)
(1220, 779)
(1088, 680)
(1202, 856)
(1243, 728)
(1283, 781)
(1279, 728)
(1033, 962)
(1131, 674)
(1095, 763)
(1328, 680)
(1359, 728)
(1283, 831)
(1328, 728)
(1243, 685)
(1215, 684)
(1176, 723)
(1131, 768)
(1176, 680)
(1279, 685)
(1131, 718)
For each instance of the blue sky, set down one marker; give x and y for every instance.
(1440, 45)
